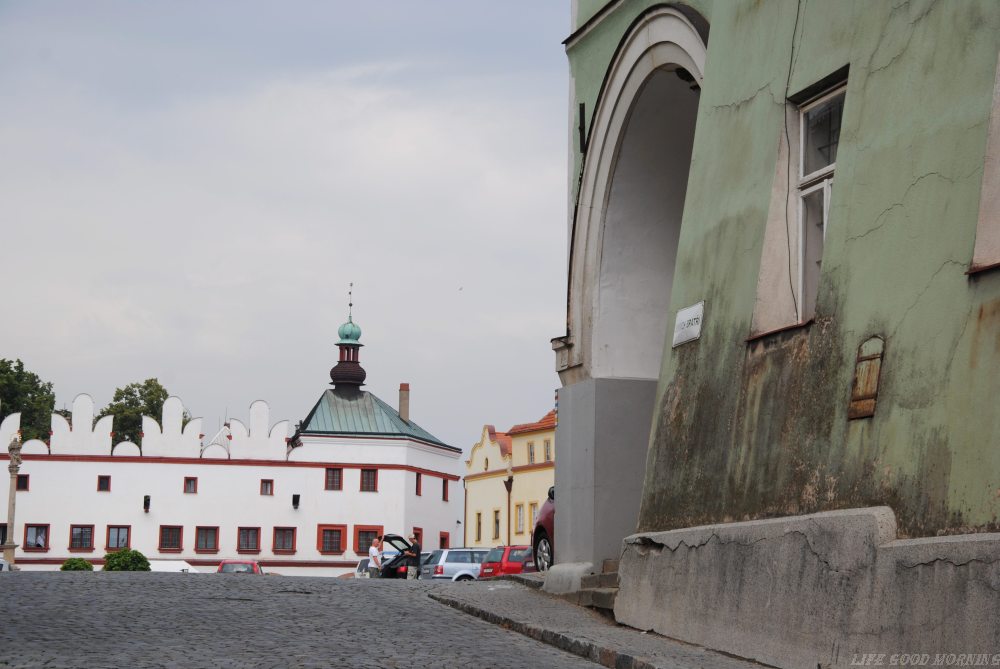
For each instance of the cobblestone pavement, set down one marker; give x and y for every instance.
(224, 621)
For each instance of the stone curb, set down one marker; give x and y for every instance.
(603, 655)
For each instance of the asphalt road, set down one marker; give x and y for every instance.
(137, 620)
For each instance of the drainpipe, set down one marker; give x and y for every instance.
(508, 484)
(465, 514)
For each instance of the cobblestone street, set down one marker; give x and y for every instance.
(180, 620)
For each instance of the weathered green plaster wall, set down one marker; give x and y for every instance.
(748, 430)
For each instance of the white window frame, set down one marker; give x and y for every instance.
(821, 179)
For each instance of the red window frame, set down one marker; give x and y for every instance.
(334, 481)
(26, 485)
(107, 538)
(106, 478)
(361, 487)
(36, 549)
(358, 529)
(271, 482)
(343, 538)
(419, 484)
(274, 541)
(180, 539)
(444, 540)
(81, 549)
(418, 532)
(197, 531)
(255, 549)
(444, 490)
(194, 480)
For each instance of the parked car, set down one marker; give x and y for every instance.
(394, 565)
(239, 567)
(361, 571)
(454, 564)
(542, 545)
(507, 560)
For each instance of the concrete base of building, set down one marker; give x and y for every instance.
(819, 590)
(566, 577)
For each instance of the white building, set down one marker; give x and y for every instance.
(305, 505)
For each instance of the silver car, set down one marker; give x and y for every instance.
(454, 564)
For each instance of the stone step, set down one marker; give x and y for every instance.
(610, 566)
(603, 598)
(607, 580)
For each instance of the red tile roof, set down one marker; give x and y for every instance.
(501, 438)
(547, 422)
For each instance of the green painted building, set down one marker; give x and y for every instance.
(815, 186)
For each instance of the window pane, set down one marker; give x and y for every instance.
(821, 134)
(249, 539)
(3, 533)
(331, 540)
(368, 477)
(813, 224)
(36, 536)
(117, 537)
(365, 538)
(207, 538)
(81, 537)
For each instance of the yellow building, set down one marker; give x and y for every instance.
(508, 475)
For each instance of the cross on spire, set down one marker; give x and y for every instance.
(350, 302)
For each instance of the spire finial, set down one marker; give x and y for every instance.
(350, 302)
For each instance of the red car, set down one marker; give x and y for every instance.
(542, 538)
(239, 567)
(507, 560)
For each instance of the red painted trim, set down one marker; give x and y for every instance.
(180, 539)
(103, 476)
(419, 482)
(27, 482)
(358, 529)
(191, 478)
(238, 463)
(107, 538)
(206, 550)
(213, 562)
(418, 532)
(343, 538)
(82, 549)
(262, 482)
(361, 484)
(247, 550)
(34, 549)
(550, 464)
(444, 539)
(444, 490)
(274, 541)
(328, 484)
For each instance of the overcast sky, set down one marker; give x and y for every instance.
(187, 188)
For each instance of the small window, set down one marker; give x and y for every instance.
(531, 452)
(418, 534)
(284, 540)
(330, 538)
(334, 478)
(444, 489)
(3, 533)
(369, 480)
(81, 537)
(519, 527)
(190, 484)
(103, 484)
(171, 538)
(496, 524)
(443, 540)
(22, 482)
(548, 450)
(363, 537)
(118, 537)
(533, 509)
(36, 537)
(479, 526)
(267, 486)
(249, 540)
(207, 540)
(419, 481)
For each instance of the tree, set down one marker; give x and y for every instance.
(131, 403)
(21, 390)
(126, 560)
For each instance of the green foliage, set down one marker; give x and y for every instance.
(21, 390)
(126, 559)
(131, 403)
(76, 564)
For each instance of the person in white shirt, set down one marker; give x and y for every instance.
(374, 559)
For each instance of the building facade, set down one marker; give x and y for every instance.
(307, 505)
(507, 479)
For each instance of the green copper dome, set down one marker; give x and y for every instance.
(349, 333)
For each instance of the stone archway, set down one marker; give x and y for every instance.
(624, 246)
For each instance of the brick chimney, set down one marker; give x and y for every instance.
(404, 401)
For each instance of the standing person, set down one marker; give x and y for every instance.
(413, 559)
(374, 559)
